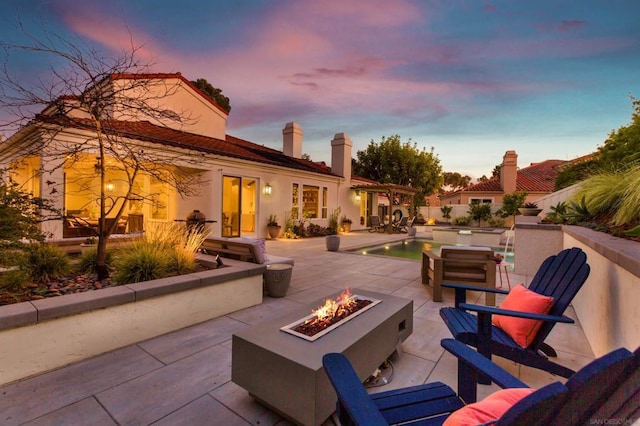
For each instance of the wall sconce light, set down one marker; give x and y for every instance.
(109, 186)
(358, 198)
(267, 189)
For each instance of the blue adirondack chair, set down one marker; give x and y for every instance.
(560, 276)
(607, 388)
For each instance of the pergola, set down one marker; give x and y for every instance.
(392, 191)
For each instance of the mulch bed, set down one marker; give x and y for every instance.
(74, 283)
(78, 282)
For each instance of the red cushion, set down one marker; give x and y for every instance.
(489, 409)
(523, 330)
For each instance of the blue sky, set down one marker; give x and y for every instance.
(472, 79)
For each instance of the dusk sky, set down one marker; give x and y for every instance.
(472, 79)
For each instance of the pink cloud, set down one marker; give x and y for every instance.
(96, 23)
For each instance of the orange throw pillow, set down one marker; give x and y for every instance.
(489, 409)
(523, 330)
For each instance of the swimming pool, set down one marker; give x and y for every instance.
(412, 249)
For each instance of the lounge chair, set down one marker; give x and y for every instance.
(607, 388)
(401, 225)
(375, 225)
(560, 276)
(463, 265)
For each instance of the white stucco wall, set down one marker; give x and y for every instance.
(608, 304)
(51, 344)
(198, 115)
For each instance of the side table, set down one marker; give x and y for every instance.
(277, 279)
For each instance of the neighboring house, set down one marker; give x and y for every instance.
(537, 180)
(246, 182)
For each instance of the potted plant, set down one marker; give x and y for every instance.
(529, 209)
(273, 228)
(333, 240)
(411, 230)
(346, 224)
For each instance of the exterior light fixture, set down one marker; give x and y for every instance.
(267, 189)
(109, 186)
(358, 195)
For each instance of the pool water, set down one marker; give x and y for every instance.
(412, 249)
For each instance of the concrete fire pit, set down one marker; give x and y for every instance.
(285, 372)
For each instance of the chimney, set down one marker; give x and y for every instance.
(341, 155)
(509, 172)
(292, 140)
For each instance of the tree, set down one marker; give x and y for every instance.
(620, 151)
(495, 173)
(622, 147)
(21, 215)
(456, 181)
(511, 203)
(92, 93)
(400, 163)
(479, 211)
(214, 93)
(576, 172)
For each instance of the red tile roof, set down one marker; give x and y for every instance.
(538, 177)
(230, 147)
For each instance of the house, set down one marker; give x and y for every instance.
(244, 182)
(537, 180)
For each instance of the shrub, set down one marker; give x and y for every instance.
(602, 193)
(44, 262)
(13, 280)
(511, 203)
(461, 221)
(446, 211)
(87, 260)
(496, 222)
(479, 211)
(143, 261)
(332, 229)
(184, 253)
(629, 208)
(167, 249)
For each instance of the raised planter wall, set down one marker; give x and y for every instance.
(41, 335)
(468, 236)
(533, 243)
(608, 304)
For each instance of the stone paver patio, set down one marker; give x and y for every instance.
(184, 377)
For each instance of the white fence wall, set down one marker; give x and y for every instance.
(544, 203)
(554, 198)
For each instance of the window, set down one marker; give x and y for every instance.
(295, 197)
(481, 200)
(310, 199)
(324, 202)
(159, 200)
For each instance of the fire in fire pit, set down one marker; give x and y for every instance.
(329, 316)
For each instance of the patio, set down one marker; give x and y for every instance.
(184, 377)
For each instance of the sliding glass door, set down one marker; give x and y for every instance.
(239, 200)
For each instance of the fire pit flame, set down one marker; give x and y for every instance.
(333, 308)
(330, 315)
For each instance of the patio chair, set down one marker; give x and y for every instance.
(463, 265)
(375, 225)
(607, 388)
(401, 225)
(560, 276)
